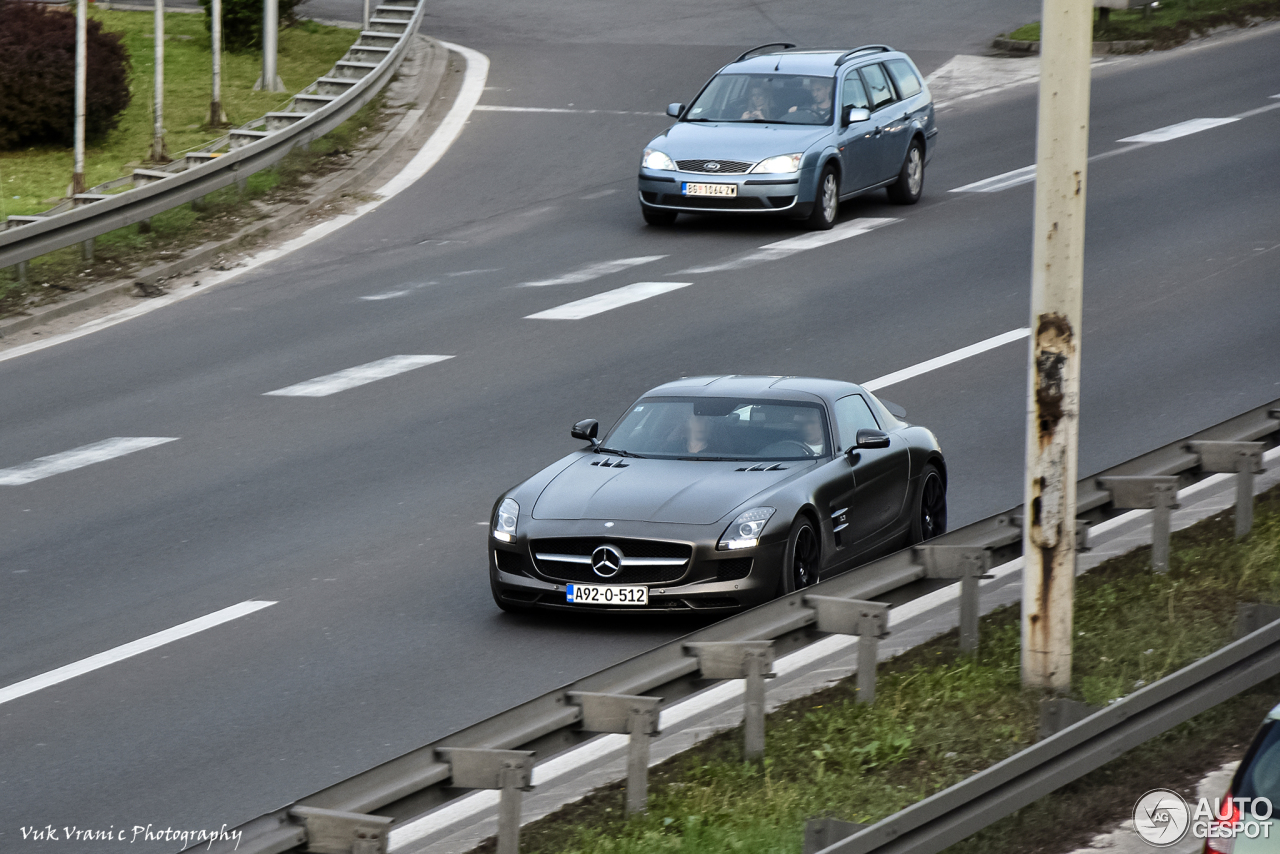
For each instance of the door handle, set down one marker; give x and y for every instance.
(879, 131)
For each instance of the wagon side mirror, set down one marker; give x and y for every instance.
(674, 110)
(587, 429)
(853, 115)
(872, 439)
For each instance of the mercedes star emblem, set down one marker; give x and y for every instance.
(606, 561)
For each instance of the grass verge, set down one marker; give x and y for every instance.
(1171, 23)
(34, 179)
(939, 718)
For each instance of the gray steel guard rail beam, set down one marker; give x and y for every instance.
(75, 226)
(941, 820)
(409, 785)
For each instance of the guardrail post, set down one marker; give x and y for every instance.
(820, 833)
(1157, 494)
(20, 271)
(1058, 713)
(508, 770)
(1243, 458)
(969, 565)
(869, 621)
(624, 713)
(750, 660)
(337, 832)
(1254, 615)
(86, 249)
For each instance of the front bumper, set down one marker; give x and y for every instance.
(757, 193)
(710, 580)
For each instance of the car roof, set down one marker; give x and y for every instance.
(775, 388)
(809, 62)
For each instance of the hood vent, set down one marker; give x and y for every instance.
(764, 467)
(607, 463)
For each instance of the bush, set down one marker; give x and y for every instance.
(37, 76)
(242, 21)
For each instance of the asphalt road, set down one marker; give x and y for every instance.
(361, 514)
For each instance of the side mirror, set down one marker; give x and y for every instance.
(871, 439)
(674, 110)
(587, 430)
(853, 115)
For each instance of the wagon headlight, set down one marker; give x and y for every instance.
(504, 521)
(654, 159)
(744, 532)
(781, 163)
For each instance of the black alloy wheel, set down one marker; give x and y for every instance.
(930, 519)
(803, 557)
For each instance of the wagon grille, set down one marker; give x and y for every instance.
(721, 167)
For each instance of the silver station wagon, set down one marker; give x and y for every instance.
(793, 132)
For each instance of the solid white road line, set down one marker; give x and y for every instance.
(79, 458)
(1181, 129)
(357, 376)
(1000, 182)
(595, 271)
(441, 138)
(792, 245)
(608, 300)
(947, 359)
(120, 653)
(493, 108)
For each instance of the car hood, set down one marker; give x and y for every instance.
(645, 490)
(734, 141)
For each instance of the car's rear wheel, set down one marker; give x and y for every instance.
(826, 204)
(910, 184)
(803, 557)
(930, 519)
(659, 218)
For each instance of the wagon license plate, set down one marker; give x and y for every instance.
(605, 594)
(710, 189)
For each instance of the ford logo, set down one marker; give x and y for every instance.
(713, 166)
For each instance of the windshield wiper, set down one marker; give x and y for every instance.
(601, 449)
(711, 459)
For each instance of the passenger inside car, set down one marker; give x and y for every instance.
(758, 104)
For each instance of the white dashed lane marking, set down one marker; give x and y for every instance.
(793, 245)
(128, 650)
(357, 376)
(1181, 129)
(595, 271)
(76, 458)
(608, 300)
(947, 359)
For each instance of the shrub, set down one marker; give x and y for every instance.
(37, 76)
(242, 21)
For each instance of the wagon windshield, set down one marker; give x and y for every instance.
(789, 99)
(706, 428)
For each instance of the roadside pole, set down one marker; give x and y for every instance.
(82, 82)
(365, 25)
(158, 153)
(1053, 407)
(217, 117)
(270, 80)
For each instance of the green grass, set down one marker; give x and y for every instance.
(34, 179)
(939, 718)
(1171, 23)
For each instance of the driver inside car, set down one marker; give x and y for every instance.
(816, 100)
(811, 433)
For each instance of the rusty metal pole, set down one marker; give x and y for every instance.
(1062, 152)
(82, 78)
(158, 152)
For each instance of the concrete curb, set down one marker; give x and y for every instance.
(427, 63)
(1099, 48)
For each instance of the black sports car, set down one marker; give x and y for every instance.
(717, 494)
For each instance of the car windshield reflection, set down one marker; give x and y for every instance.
(790, 99)
(713, 428)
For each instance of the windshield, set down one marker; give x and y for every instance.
(789, 99)
(710, 428)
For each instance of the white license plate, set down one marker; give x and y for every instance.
(605, 594)
(710, 189)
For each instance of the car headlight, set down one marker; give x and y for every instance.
(781, 163)
(504, 521)
(654, 159)
(744, 532)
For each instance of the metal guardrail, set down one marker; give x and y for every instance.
(941, 820)
(419, 780)
(316, 110)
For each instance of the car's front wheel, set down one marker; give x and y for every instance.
(803, 557)
(826, 203)
(930, 519)
(910, 184)
(659, 218)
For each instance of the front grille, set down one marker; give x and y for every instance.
(725, 167)
(733, 568)
(584, 546)
(721, 203)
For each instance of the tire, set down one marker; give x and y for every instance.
(826, 201)
(910, 184)
(929, 513)
(661, 219)
(802, 559)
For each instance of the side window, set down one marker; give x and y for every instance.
(904, 77)
(852, 93)
(852, 415)
(877, 85)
